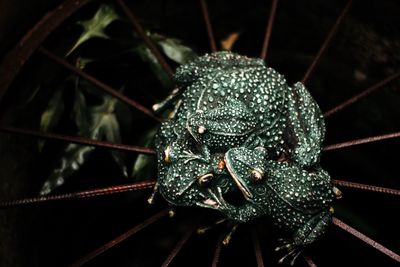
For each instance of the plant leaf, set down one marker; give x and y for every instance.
(52, 114)
(105, 126)
(145, 165)
(174, 49)
(95, 27)
(147, 56)
(98, 122)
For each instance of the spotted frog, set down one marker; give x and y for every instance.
(239, 126)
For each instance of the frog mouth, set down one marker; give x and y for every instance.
(237, 179)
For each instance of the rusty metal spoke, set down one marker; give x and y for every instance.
(257, 249)
(268, 30)
(207, 21)
(356, 98)
(20, 54)
(119, 238)
(366, 239)
(326, 43)
(146, 39)
(367, 187)
(361, 141)
(106, 88)
(77, 140)
(81, 194)
(179, 245)
(309, 261)
(217, 251)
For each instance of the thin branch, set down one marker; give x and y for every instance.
(361, 141)
(142, 33)
(326, 43)
(206, 16)
(367, 187)
(268, 29)
(361, 95)
(81, 194)
(366, 239)
(179, 246)
(106, 88)
(257, 249)
(119, 239)
(217, 252)
(77, 140)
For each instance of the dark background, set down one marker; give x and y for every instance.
(365, 50)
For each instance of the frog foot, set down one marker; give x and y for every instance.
(293, 251)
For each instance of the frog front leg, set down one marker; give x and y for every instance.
(240, 214)
(305, 127)
(315, 227)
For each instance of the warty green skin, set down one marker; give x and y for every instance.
(237, 110)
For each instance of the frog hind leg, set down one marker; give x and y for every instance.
(172, 100)
(314, 228)
(305, 127)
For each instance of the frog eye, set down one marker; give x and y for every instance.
(201, 129)
(256, 175)
(205, 179)
(167, 154)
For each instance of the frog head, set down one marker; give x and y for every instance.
(247, 168)
(226, 126)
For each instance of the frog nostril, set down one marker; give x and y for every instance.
(205, 180)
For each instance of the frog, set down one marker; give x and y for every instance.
(184, 170)
(238, 125)
(229, 100)
(295, 199)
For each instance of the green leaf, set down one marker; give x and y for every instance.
(145, 165)
(51, 116)
(174, 49)
(98, 122)
(74, 156)
(95, 27)
(105, 126)
(147, 56)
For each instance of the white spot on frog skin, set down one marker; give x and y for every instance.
(201, 129)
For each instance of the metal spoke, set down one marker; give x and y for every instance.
(326, 43)
(78, 140)
(354, 99)
(206, 16)
(108, 89)
(268, 29)
(217, 252)
(309, 261)
(257, 249)
(119, 239)
(179, 245)
(367, 187)
(361, 141)
(142, 33)
(81, 194)
(366, 239)
(22, 51)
